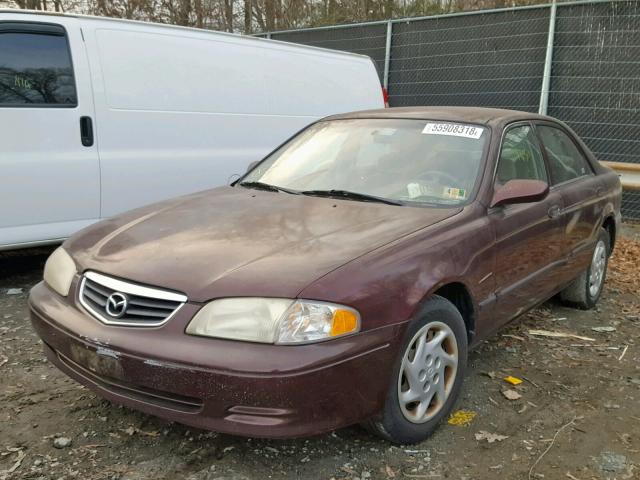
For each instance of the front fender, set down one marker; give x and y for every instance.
(388, 286)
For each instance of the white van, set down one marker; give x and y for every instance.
(98, 116)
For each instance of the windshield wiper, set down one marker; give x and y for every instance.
(346, 194)
(267, 186)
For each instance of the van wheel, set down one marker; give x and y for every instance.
(427, 376)
(585, 290)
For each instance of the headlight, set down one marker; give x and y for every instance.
(274, 320)
(306, 321)
(59, 271)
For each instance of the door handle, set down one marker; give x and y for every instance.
(554, 211)
(599, 191)
(86, 131)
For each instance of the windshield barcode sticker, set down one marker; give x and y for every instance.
(453, 129)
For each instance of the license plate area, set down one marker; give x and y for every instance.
(103, 362)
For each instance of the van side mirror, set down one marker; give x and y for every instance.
(252, 164)
(520, 191)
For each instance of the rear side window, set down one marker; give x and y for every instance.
(520, 157)
(566, 161)
(35, 69)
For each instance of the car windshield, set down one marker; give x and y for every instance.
(398, 160)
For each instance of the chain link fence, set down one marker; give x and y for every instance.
(492, 59)
(367, 40)
(595, 81)
(578, 61)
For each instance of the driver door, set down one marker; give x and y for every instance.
(528, 235)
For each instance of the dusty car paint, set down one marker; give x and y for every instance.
(228, 241)
(382, 260)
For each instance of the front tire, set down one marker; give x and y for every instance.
(585, 290)
(427, 376)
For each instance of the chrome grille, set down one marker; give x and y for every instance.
(116, 302)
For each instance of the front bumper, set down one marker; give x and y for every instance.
(227, 386)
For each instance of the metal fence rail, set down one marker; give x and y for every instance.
(577, 61)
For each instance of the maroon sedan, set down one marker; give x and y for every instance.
(343, 279)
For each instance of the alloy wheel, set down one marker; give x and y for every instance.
(428, 372)
(598, 265)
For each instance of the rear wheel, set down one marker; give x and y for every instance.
(585, 290)
(427, 377)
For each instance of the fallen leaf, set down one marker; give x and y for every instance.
(548, 333)
(348, 470)
(511, 394)
(603, 329)
(490, 437)
(623, 266)
(515, 337)
(15, 466)
(90, 446)
(461, 418)
(512, 380)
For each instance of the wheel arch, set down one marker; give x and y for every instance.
(609, 224)
(459, 295)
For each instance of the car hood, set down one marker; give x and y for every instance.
(241, 242)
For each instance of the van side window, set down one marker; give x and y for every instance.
(566, 162)
(35, 70)
(520, 157)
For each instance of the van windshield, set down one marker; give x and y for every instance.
(400, 160)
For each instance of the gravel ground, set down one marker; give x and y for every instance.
(577, 415)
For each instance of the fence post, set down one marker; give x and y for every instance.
(387, 56)
(269, 36)
(548, 62)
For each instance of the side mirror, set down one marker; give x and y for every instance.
(520, 191)
(252, 164)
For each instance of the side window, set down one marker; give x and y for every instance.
(565, 159)
(35, 69)
(520, 157)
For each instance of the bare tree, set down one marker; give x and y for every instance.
(248, 16)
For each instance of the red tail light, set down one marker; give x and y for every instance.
(385, 97)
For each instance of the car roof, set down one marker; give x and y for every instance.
(479, 115)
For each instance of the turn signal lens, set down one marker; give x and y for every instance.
(344, 321)
(308, 321)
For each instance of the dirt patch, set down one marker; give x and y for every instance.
(576, 414)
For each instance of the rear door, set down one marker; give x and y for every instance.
(573, 178)
(529, 236)
(49, 181)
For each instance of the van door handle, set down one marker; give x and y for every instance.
(599, 191)
(554, 211)
(86, 131)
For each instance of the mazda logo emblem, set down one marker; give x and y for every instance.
(117, 304)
